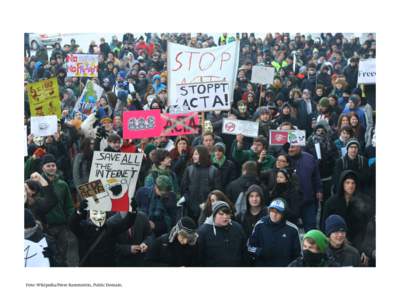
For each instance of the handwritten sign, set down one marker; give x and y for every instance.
(202, 79)
(44, 98)
(33, 254)
(98, 198)
(262, 75)
(234, 127)
(293, 137)
(87, 101)
(82, 65)
(180, 124)
(44, 126)
(118, 173)
(367, 71)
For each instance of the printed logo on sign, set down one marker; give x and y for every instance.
(280, 137)
(230, 127)
(141, 123)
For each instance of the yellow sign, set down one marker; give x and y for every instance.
(44, 98)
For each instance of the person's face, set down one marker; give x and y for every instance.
(250, 98)
(166, 162)
(352, 105)
(97, 217)
(353, 121)
(182, 146)
(337, 238)
(264, 117)
(349, 186)
(311, 71)
(258, 147)
(281, 162)
(319, 92)
(196, 156)
(218, 154)
(306, 95)
(50, 168)
(274, 215)
(208, 141)
(213, 198)
(332, 101)
(344, 135)
(280, 178)
(117, 121)
(183, 240)
(103, 102)
(286, 110)
(254, 199)
(222, 219)
(208, 126)
(320, 132)
(116, 145)
(242, 108)
(352, 151)
(310, 247)
(108, 126)
(294, 150)
(339, 86)
(345, 121)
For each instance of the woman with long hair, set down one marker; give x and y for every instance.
(206, 207)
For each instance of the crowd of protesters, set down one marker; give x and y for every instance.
(212, 199)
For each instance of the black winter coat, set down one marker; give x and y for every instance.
(226, 248)
(239, 185)
(163, 253)
(346, 255)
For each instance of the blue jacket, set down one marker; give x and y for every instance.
(307, 170)
(274, 244)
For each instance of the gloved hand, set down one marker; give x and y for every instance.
(83, 207)
(133, 205)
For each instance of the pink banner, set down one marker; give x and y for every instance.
(142, 124)
(180, 124)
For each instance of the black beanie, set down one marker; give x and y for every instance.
(48, 158)
(29, 221)
(188, 224)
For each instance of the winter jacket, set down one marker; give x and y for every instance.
(327, 261)
(197, 183)
(357, 213)
(164, 253)
(43, 204)
(227, 170)
(161, 211)
(241, 156)
(224, 248)
(240, 185)
(346, 255)
(274, 244)
(103, 255)
(139, 232)
(62, 211)
(306, 168)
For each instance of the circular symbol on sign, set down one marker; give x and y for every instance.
(280, 137)
(230, 127)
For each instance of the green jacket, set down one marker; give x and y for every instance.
(64, 208)
(31, 165)
(241, 156)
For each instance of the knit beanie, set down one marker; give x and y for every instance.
(164, 183)
(334, 223)
(324, 102)
(352, 141)
(48, 158)
(220, 146)
(319, 238)
(186, 227)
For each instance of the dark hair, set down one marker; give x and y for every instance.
(250, 168)
(221, 197)
(261, 139)
(357, 130)
(204, 159)
(159, 156)
(339, 124)
(112, 138)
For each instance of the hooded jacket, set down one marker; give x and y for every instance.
(346, 255)
(357, 213)
(247, 219)
(239, 185)
(274, 244)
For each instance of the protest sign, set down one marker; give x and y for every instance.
(151, 123)
(293, 137)
(142, 124)
(87, 101)
(234, 127)
(44, 98)
(94, 192)
(33, 254)
(202, 79)
(26, 141)
(180, 124)
(204, 96)
(118, 173)
(82, 65)
(367, 71)
(262, 75)
(44, 126)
